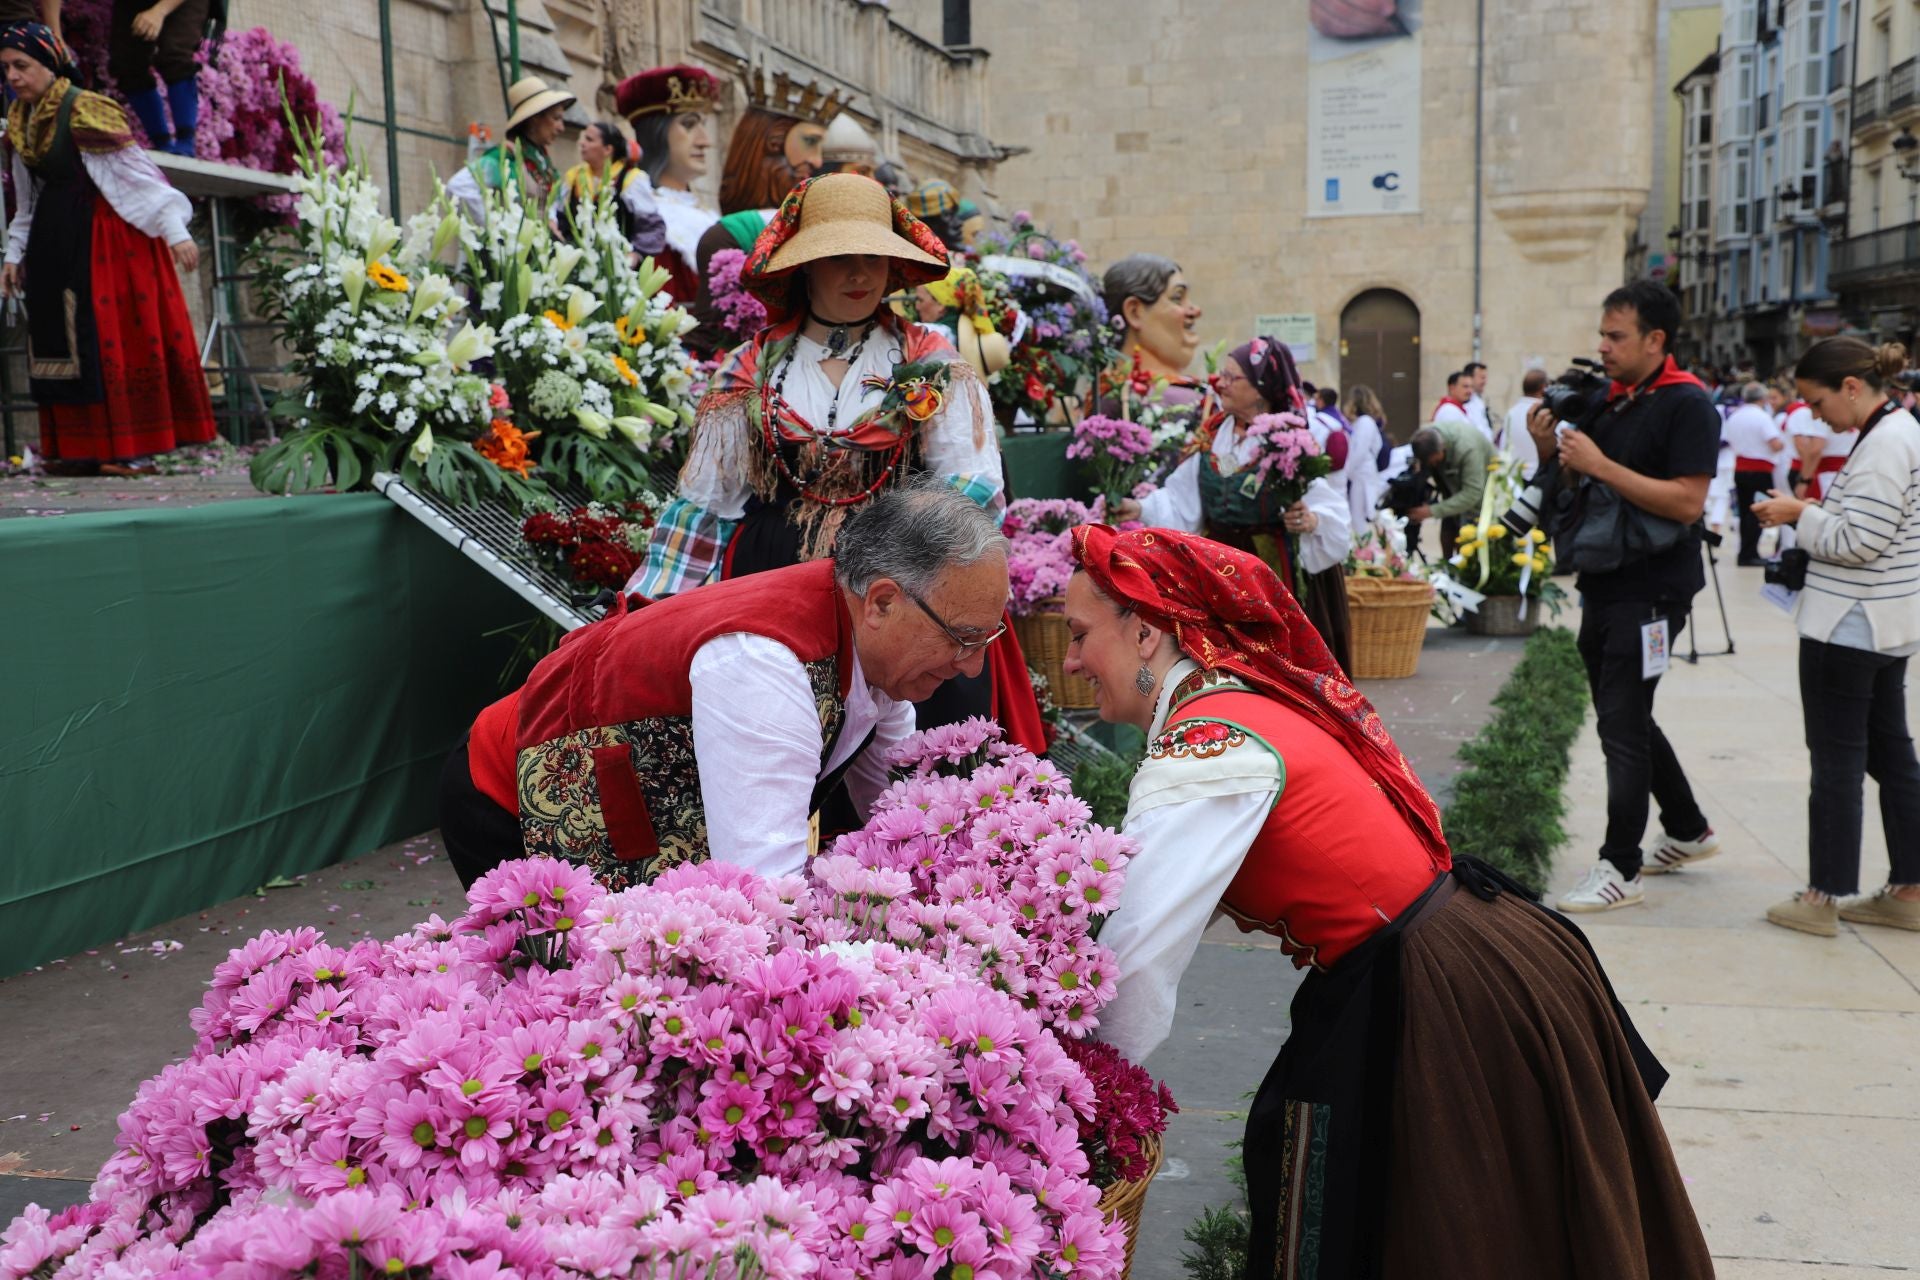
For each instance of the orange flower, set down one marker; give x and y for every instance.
(625, 370)
(922, 401)
(505, 446)
(385, 277)
(559, 321)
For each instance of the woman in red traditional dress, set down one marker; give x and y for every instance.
(93, 247)
(1460, 1095)
(835, 400)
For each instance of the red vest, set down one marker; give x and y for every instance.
(603, 770)
(1335, 860)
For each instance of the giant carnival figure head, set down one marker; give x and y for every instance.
(1148, 300)
(670, 109)
(779, 142)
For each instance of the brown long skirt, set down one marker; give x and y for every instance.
(1525, 1142)
(1462, 1098)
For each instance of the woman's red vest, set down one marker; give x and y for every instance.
(1335, 860)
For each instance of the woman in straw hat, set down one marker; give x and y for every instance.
(835, 400)
(536, 112)
(1459, 1094)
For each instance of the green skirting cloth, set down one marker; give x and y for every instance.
(195, 701)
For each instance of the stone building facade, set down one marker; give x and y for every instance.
(1181, 127)
(926, 104)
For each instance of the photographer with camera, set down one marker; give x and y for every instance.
(1455, 457)
(1857, 569)
(1625, 489)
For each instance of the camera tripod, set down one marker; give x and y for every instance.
(1693, 655)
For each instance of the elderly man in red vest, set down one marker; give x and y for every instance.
(718, 722)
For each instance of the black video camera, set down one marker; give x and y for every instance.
(1577, 397)
(1407, 491)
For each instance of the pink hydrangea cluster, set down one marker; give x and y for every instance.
(741, 314)
(714, 1075)
(1040, 557)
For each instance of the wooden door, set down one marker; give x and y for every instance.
(1380, 347)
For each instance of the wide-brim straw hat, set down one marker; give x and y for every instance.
(835, 215)
(530, 96)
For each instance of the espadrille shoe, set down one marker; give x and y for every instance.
(1819, 918)
(1884, 909)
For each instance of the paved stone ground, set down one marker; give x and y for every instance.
(82, 1032)
(1795, 1060)
(190, 477)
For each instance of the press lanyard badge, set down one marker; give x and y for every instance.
(1654, 653)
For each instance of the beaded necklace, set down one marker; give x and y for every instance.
(773, 400)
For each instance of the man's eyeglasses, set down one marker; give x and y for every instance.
(963, 647)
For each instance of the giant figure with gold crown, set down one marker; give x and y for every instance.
(670, 109)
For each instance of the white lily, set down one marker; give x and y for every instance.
(638, 431)
(470, 344)
(353, 282)
(596, 425)
(449, 228)
(660, 413)
(422, 446)
(430, 292)
(380, 242)
(565, 259)
(652, 278)
(580, 305)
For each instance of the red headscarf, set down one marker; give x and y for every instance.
(1228, 612)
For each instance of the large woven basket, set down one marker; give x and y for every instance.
(1044, 639)
(1125, 1200)
(1388, 621)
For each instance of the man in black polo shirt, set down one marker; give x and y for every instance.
(1656, 446)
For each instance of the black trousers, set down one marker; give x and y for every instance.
(1640, 761)
(1855, 705)
(1748, 485)
(478, 834)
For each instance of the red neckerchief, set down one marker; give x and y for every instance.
(1669, 375)
(1461, 405)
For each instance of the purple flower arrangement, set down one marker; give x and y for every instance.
(715, 1075)
(1040, 558)
(741, 314)
(1118, 451)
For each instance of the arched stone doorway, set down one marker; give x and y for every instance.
(1380, 346)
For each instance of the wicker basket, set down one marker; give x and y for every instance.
(1388, 618)
(1126, 1200)
(1044, 639)
(1500, 616)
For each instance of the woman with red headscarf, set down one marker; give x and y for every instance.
(1461, 1095)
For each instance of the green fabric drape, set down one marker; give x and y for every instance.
(194, 701)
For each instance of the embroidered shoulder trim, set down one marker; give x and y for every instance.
(1197, 739)
(1204, 681)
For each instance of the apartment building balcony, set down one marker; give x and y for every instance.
(1901, 86)
(1890, 257)
(1869, 108)
(889, 74)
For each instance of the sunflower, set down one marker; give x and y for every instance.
(386, 278)
(625, 370)
(558, 321)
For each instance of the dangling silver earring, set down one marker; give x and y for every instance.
(1144, 680)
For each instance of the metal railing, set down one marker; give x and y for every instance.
(1878, 253)
(1834, 178)
(1900, 86)
(1866, 102)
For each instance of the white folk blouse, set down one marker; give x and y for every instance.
(756, 740)
(128, 180)
(1176, 504)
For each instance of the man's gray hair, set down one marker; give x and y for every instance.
(912, 534)
(1753, 393)
(1426, 442)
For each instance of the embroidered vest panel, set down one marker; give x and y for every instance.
(1335, 860)
(604, 766)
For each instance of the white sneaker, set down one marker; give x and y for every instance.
(1669, 854)
(1603, 888)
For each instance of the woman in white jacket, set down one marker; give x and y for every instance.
(1859, 620)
